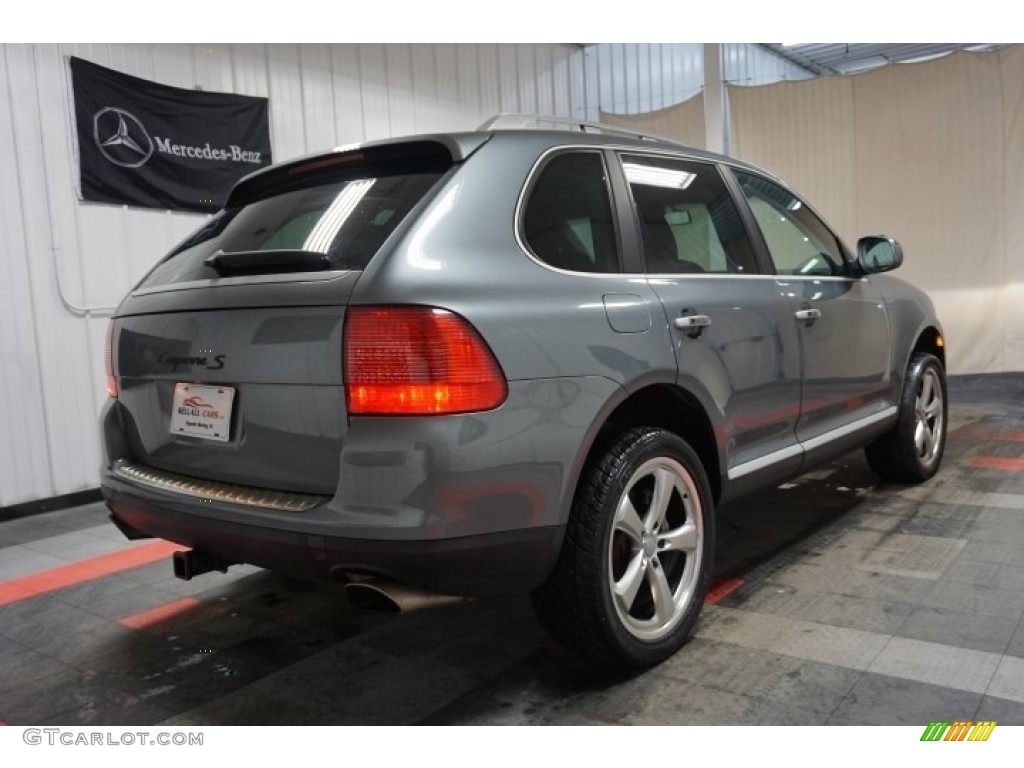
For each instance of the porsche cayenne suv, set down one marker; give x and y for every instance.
(509, 361)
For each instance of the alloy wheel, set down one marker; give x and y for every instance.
(655, 549)
(929, 418)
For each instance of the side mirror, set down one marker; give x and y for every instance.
(878, 254)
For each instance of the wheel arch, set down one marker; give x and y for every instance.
(930, 340)
(664, 405)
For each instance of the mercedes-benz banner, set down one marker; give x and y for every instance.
(152, 145)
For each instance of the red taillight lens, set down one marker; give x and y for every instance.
(108, 357)
(417, 360)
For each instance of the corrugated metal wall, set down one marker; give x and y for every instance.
(748, 64)
(64, 262)
(630, 78)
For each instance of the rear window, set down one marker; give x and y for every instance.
(347, 221)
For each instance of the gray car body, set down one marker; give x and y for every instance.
(477, 503)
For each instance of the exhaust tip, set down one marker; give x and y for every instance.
(370, 597)
(194, 562)
(392, 597)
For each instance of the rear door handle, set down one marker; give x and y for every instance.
(692, 324)
(807, 315)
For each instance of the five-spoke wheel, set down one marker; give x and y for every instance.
(930, 415)
(654, 553)
(912, 450)
(636, 561)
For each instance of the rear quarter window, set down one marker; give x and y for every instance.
(567, 222)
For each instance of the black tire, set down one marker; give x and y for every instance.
(665, 558)
(911, 451)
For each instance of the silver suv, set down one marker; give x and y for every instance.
(509, 361)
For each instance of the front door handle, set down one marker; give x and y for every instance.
(808, 316)
(692, 324)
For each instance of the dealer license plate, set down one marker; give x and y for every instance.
(202, 411)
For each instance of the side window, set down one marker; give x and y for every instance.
(567, 222)
(687, 217)
(799, 242)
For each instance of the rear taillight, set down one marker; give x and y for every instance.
(417, 360)
(108, 358)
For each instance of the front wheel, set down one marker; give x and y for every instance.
(912, 450)
(637, 556)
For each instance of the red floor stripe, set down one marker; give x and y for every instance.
(722, 590)
(85, 570)
(148, 619)
(997, 462)
(1002, 436)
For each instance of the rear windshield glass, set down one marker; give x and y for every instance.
(347, 221)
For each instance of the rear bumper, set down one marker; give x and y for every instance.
(506, 562)
(472, 504)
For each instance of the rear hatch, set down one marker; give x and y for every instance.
(228, 354)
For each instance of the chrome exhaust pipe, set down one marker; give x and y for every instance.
(393, 597)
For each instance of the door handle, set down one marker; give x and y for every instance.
(808, 316)
(692, 324)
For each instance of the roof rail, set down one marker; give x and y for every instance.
(522, 121)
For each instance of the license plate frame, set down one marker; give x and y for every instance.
(202, 411)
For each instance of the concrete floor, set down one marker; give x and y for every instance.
(839, 601)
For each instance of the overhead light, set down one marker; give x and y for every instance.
(651, 176)
(926, 57)
(860, 65)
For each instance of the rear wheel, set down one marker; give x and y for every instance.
(636, 561)
(912, 450)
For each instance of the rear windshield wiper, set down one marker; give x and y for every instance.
(267, 262)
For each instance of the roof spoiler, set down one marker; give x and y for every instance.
(425, 152)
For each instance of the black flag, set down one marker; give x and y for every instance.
(146, 144)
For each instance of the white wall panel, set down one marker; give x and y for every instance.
(213, 68)
(62, 354)
(174, 63)
(287, 127)
(374, 77)
(23, 446)
(508, 76)
(630, 78)
(489, 69)
(65, 263)
(347, 94)
(426, 109)
(448, 84)
(544, 79)
(249, 69)
(399, 84)
(526, 80)
(317, 98)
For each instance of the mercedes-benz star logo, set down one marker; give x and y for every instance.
(121, 137)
